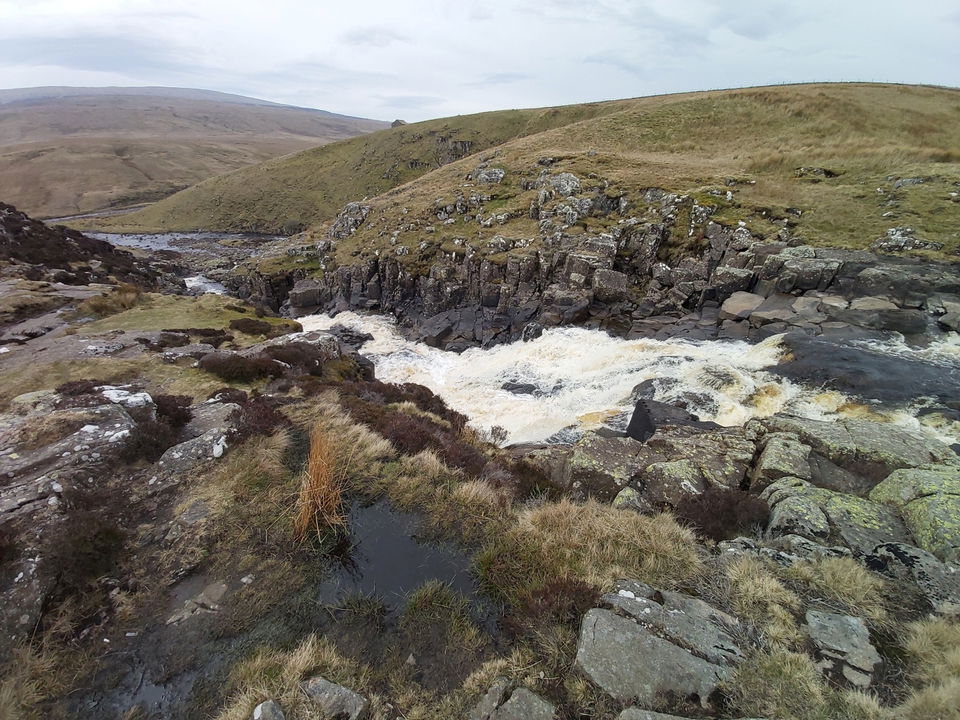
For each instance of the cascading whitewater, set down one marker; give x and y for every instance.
(574, 376)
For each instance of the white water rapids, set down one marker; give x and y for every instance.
(584, 377)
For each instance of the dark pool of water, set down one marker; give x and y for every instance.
(386, 557)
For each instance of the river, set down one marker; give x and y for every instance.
(576, 378)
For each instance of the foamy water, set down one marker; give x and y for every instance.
(583, 377)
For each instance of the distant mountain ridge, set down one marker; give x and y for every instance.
(52, 92)
(70, 150)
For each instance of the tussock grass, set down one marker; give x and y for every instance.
(757, 595)
(323, 413)
(320, 502)
(435, 609)
(933, 649)
(276, 674)
(122, 297)
(779, 684)
(593, 542)
(843, 584)
(25, 683)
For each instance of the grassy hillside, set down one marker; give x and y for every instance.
(73, 153)
(748, 143)
(311, 187)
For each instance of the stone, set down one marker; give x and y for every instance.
(798, 507)
(494, 697)
(798, 515)
(740, 305)
(630, 498)
(211, 416)
(521, 705)
(638, 714)
(842, 646)
(665, 484)
(268, 710)
(335, 701)
(728, 280)
(938, 582)
(864, 447)
(610, 285)
(565, 184)
(665, 644)
(194, 351)
(928, 498)
(600, 466)
(525, 705)
(490, 176)
(641, 425)
(783, 455)
(951, 321)
(184, 456)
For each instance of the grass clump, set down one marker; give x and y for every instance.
(933, 649)
(276, 674)
(123, 297)
(843, 584)
(758, 596)
(320, 502)
(594, 542)
(779, 684)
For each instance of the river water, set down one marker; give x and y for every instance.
(585, 378)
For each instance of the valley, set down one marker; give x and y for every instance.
(639, 410)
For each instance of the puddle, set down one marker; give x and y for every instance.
(386, 558)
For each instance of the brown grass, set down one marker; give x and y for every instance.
(276, 674)
(123, 297)
(758, 596)
(320, 503)
(593, 542)
(49, 429)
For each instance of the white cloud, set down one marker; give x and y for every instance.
(428, 58)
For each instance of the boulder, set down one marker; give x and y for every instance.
(843, 649)
(728, 280)
(786, 550)
(335, 701)
(928, 498)
(938, 582)
(653, 644)
(211, 416)
(609, 286)
(719, 457)
(799, 508)
(565, 184)
(740, 305)
(521, 705)
(783, 455)
(641, 425)
(490, 176)
(600, 466)
(864, 447)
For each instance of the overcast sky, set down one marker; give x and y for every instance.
(417, 59)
